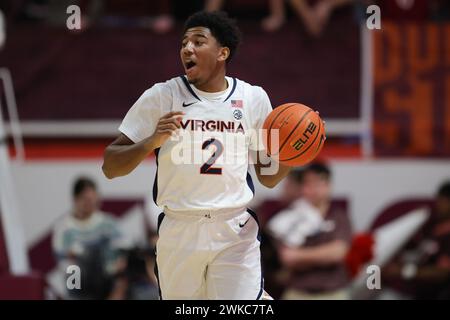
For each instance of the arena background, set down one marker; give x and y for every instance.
(385, 96)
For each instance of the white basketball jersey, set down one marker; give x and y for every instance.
(205, 167)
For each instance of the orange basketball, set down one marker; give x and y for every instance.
(301, 134)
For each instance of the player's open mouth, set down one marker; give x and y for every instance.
(189, 65)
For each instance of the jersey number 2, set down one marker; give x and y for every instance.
(207, 168)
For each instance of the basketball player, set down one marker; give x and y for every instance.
(208, 245)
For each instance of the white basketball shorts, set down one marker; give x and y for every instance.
(209, 255)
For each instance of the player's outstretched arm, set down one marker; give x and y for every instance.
(301, 259)
(123, 155)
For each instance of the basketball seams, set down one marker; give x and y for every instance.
(269, 144)
(296, 156)
(321, 140)
(293, 130)
(318, 131)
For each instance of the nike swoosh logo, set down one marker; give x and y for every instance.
(188, 104)
(243, 224)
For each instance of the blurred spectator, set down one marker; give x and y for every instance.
(90, 239)
(55, 11)
(266, 210)
(156, 15)
(315, 15)
(313, 237)
(90, 10)
(160, 21)
(290, 192)
(273, 22)
(213, 5)
(140, 276)
(277, 16)
(423, 271)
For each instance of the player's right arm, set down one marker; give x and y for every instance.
(123, 155)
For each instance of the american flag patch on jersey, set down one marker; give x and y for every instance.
(237, 104)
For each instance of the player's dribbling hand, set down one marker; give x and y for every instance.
(167, 125)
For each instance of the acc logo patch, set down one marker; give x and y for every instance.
(237, 114)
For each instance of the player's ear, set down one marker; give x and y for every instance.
(224, 53)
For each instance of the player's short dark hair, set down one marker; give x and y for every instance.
(81, 184)
(296, 175)
(444, 190)
(320, 169)
(222, 27)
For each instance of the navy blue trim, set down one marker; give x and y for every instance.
(188, 86)
(250, 183)
(160, 220)
(253, 214)
(155, 183)
(232, 90)
(155, 269)
(262, 287)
